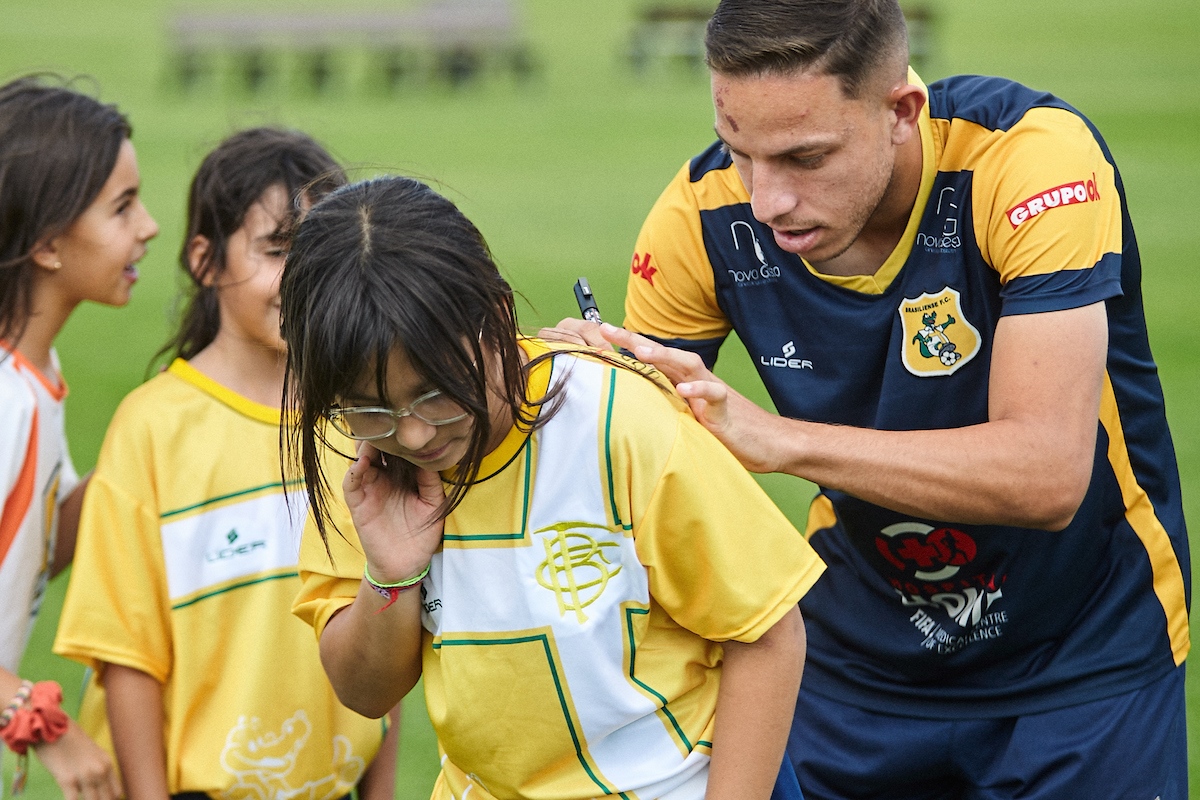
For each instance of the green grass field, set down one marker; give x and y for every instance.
(559, 174)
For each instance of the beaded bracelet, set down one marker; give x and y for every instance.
(392, 591)
(14, 705)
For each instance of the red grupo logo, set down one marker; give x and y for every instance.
(1066, 195)
(930, 554)
(641, 266)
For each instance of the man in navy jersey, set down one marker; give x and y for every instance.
(940, 288)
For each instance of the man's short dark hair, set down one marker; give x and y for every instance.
(848, 39)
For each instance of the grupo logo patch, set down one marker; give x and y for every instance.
(1069, 194)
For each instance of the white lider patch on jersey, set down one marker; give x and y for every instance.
(224, 543)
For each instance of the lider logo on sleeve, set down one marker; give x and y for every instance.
(1083, 191)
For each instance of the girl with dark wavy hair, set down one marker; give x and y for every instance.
(544, 534)
(72, 229)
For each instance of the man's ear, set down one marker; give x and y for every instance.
(199, 249)
(906, 101)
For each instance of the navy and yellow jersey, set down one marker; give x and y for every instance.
(1020, 210)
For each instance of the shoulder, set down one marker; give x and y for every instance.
(997, 104)
(19, 402)
(15, 392)
(998, 126)
(162, 399)
(621, 381)
(154, 411)
(707, 182)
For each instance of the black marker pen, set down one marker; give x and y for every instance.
(587, 301)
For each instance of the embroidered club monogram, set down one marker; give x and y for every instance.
(575, 569)
(938, 339)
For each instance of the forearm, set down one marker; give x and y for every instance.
(1005, 472)
(759, 683)
(1029, 464)
(372, 655)
(379, 781)
(136, 716)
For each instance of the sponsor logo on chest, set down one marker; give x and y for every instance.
(955, 604)
(758, 270)
(788, 360)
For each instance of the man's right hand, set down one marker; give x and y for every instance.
(575, 331)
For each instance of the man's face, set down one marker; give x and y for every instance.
(816, 164)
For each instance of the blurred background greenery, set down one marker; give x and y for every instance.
(559, 165)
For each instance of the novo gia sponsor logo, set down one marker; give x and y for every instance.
(1068, 194)
(764, 271)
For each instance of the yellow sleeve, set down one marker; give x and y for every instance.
(1047, 211)
(330, 578)
(117, 609)
(722, 559)
(671, 293)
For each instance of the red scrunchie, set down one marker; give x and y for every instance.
(40, 720)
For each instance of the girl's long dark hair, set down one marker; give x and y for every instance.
(231, 179)
(383, 264)
(57, 148)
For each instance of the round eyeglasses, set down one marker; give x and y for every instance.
(368, 424)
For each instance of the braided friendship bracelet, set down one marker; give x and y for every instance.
(15, 705)
(392, 591)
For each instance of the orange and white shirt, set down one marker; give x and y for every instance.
(35, 475)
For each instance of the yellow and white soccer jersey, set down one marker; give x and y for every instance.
(186, 570)
(35, 475)
(575, 612)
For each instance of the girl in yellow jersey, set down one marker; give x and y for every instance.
(187, 547)
(601, 601)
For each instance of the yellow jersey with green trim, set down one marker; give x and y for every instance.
(574, 616)
(1020, 210)
(186, 569)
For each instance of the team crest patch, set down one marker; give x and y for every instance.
(938, 338)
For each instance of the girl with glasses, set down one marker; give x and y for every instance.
(599, 598)
(187, 548)
(72, 229)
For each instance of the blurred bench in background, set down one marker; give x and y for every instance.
(669, 35)
(672, 34)
(452, 41)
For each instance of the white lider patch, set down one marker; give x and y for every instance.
(227, 542)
